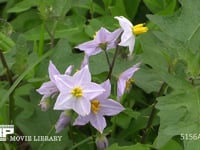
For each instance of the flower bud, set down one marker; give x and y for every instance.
(45, 104)
(101, 142)
(63, 121)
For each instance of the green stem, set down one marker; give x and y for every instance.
(113, 63)
(9, 78)
(5, 65)
(152, 114)
(41, 42)
(21, 77)
(90, 138)
(107, 58)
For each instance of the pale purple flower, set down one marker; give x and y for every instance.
(85, 61)
(100, 106)
(101, 142)
(129, 32)
(103, 40)
(124, 78)
(49, 89)
(76, 92)
(63, 121)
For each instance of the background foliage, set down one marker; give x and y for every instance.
(164, 101)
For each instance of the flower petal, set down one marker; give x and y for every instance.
(113, 37)
(110, 107)
(90, 47)
(106, 85)
(125, 24)
(52, 71)
(47, 89)
(98, 122)
(69, 70)
(121, 85)
(64, 102)
(81, 120)
(63, 121)
(101, 36)
(82, 76)
(82, 106)
(85, 61)
(92, 90)
(64, 83)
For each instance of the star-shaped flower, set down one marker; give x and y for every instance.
(124, 80)
(103, 40)
(76, 91)
(101, 106)
(129, 32)
(49, 89)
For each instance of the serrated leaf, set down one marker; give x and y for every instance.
(179, 114)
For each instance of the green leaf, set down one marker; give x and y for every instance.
(6, 43)
(118, 9)
(148, 80)
(164, 7)
(138, 146)
(184, 24)
(42, 124)
(172, 144)
(23, 6)
(179, 114)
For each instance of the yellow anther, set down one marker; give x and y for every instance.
(95, 106)
(77, 92)
(139, 29)
(129, 82)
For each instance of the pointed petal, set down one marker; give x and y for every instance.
(98, 122)
(92, 90)
(125, 24)
(121, 85)
(113, 37)
(69, 70)
(82, 76)
(64, 83)
(47, 89)
(52, 71)
(82, 106)
(106, 85)
(64, 102)
(110, 107)
(81, 120)
(85, 61)
(90, 47)
(102, 35)
(127, 74)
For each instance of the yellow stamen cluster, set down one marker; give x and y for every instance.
(139, 29)
(95, 106)
(129, 82)
(77, 92)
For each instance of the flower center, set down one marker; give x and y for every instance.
(129, 82)
(103, 46)
(139, 29)
(77, 92)
(95, 106)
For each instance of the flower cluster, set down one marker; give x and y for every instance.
(78, 93)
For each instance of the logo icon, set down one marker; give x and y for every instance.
(5, 130)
